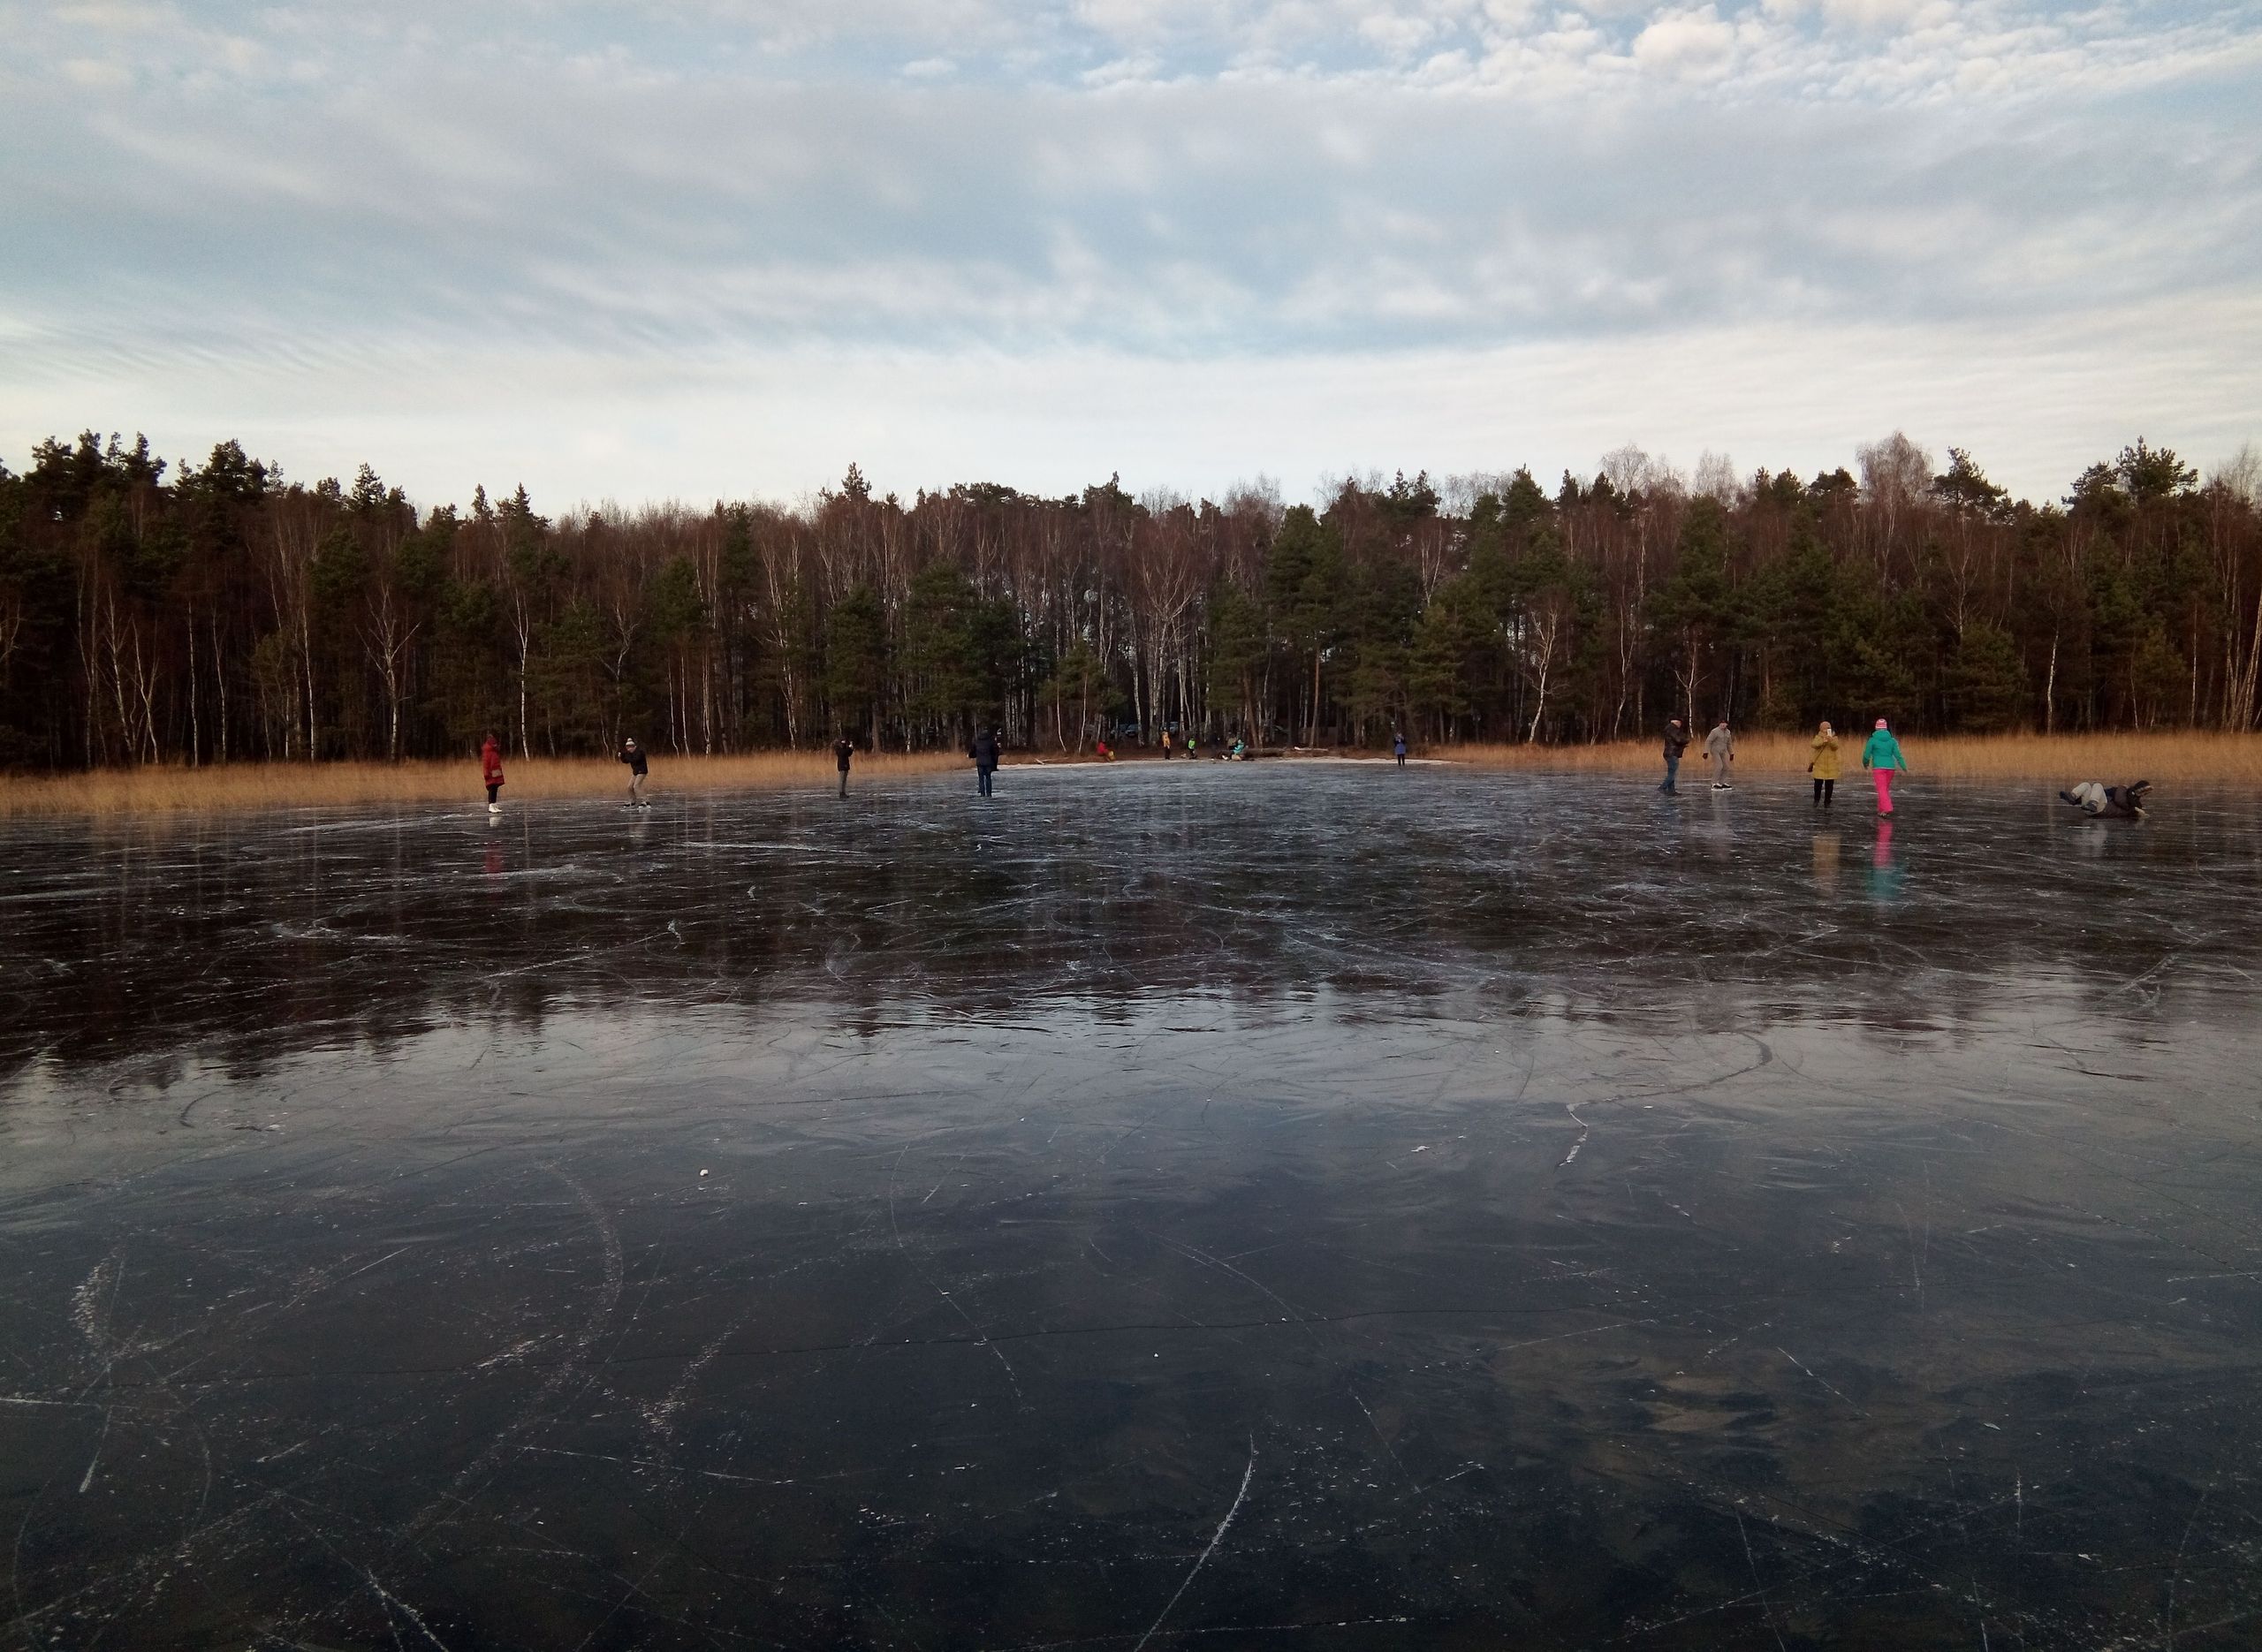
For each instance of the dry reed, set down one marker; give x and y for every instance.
(243, 787)
(239, 788)
(2175, 755)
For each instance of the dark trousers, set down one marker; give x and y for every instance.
(844, 783)
(491, 791)
(1823, 790)
(982, 775)
(1672, 768)
(1401, 759)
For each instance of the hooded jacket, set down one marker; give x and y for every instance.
(1883, 752)
(491, 764)
(1824, 766)
(984, 750)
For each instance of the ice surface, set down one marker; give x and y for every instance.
(1205, 1206)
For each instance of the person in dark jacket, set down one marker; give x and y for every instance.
(633, 755)
(490, 771)
(2099, 802)
(1398, 746)
(1676, 741)
(984, 752)
(843, 749)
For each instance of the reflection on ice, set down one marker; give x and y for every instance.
(1362, 1204)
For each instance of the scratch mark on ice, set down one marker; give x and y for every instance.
(1216, 1537)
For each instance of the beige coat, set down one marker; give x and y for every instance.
(1824, 766)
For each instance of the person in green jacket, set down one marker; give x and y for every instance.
(1881, 756)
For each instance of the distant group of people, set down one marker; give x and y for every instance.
(640, 768)
(1881, 755)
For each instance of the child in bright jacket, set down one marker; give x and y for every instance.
(1881, 756)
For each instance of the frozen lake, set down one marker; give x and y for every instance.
(1262, 1206)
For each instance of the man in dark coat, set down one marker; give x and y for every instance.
(984, 752)
(843, 749)
(1676, 741)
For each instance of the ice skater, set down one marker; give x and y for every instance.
(633, 755)
(1720, 745)
(2115, 803)
(490, 770)
(984, 752)
(1398, 746)
(1676, 741)
(1881, 756)
(843, 749)
(1824, 765)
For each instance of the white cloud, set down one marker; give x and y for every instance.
(1697, 42)
(1135, 189)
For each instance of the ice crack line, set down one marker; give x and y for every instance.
(1216, 1537)
(1585, 1130)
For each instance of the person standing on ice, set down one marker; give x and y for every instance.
(1824, 766)
(843, 749)
(984, 752)
(1398, 746)
(1720, 745)
(1881, 756)
(1676, 741)
(490, 770)
(633, 755)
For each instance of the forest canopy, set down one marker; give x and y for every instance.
(155, 612)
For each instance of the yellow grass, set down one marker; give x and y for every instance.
(239, 787)
(242, 787)
(2115, 759)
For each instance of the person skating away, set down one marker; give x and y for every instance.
(984, 752)
(1398, 746)
(2109, 802)
(1824, 767)
(843, 749)
(1720, 745)
(490, 770)
(1676, 741)
(1881, 757)
(633, 755)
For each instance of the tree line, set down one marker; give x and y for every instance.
(189, 613)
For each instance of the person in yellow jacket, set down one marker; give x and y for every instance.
(1824, 767)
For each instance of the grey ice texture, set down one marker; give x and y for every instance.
(1221, 1205)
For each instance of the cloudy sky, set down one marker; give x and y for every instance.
(715, 247)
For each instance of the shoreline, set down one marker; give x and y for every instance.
(2187, 756)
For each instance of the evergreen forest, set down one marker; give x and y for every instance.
(203, 613)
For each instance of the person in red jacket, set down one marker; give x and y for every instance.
(491, 768)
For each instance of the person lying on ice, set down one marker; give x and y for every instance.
(2108, 802)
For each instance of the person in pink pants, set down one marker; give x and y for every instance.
(1881, 756)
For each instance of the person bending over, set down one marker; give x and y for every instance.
(633, 755)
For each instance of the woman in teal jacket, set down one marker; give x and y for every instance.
(1881, 756)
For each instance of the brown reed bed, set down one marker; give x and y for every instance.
(2194, 755)
(238, 788)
